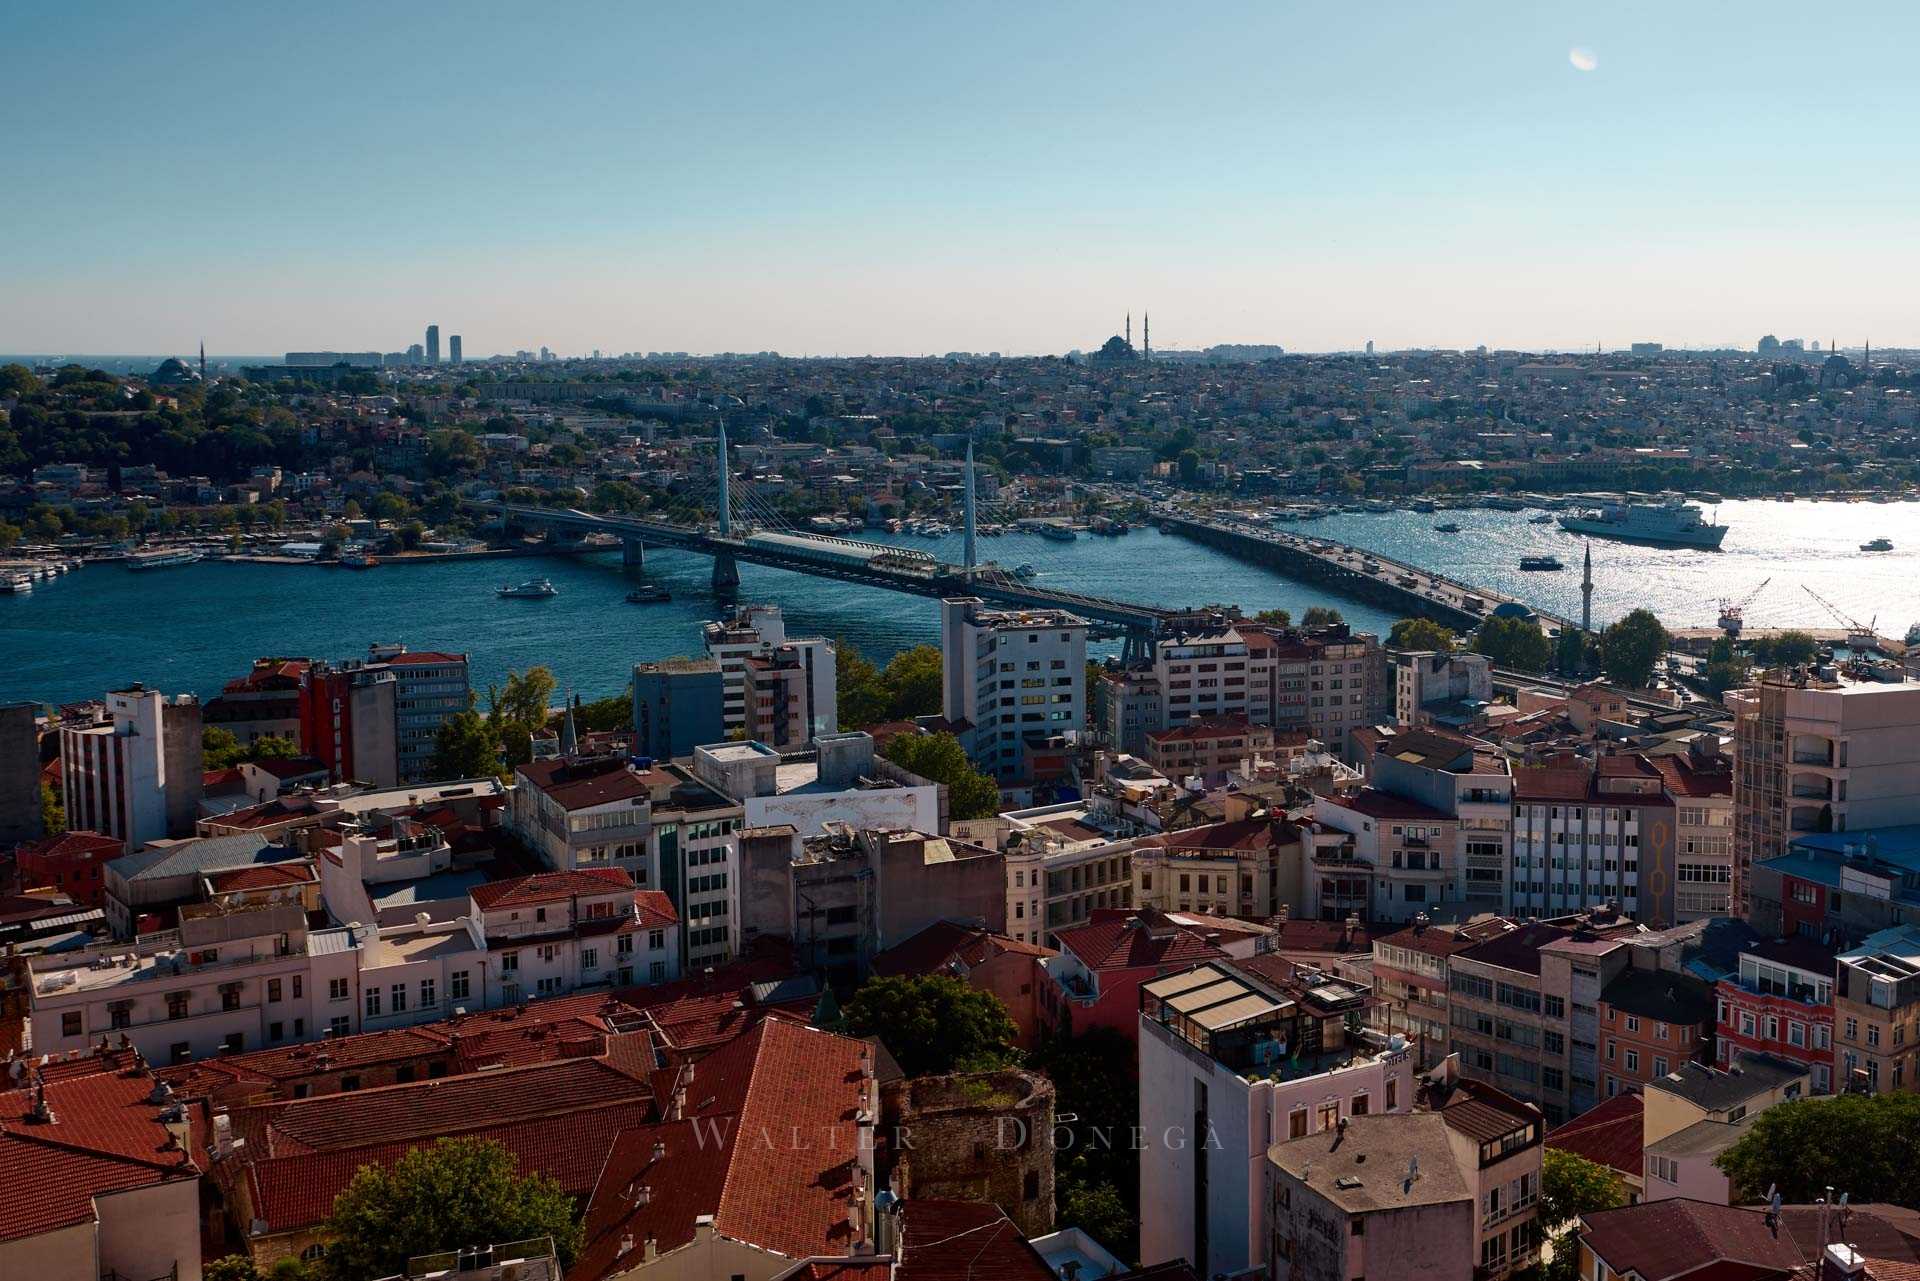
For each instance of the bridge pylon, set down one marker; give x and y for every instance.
(633, 554)
(726, 574)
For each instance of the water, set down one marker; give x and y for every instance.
(196, 627)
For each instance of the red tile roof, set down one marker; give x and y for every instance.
(74, 845)
(1116, 945)
(734, 1155)
(577, 785)
(964, 1241)
(946, 942)
(1662, 1239)
(297, 1191)
(549, 887)
(1377, 804)
(261, 876)
(656, 909)
(1608, 1135)
(412, 657)
(1241, 834)
(1684, 778)
(105, 1136)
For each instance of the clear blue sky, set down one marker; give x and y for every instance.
(912, 177)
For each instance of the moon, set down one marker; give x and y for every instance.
(1583, 59)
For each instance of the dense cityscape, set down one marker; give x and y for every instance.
(959, 643)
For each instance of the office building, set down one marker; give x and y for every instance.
(1818, 753)
(430, 689)
(19, 773)
(136, 776)
(348, 720)
(453, 349)
(779, 689)
(265, 703)
(1012, 679)
(1591, 833)
(433, 344)
(678, 704)
(1700, 785)
(1779, 1002)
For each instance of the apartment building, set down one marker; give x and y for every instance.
(1207, 749)
(1203, 676)
(1840, 887)
(1582, 832)
(678, 704)
(838, 779)
(1700, 785)
(534, 936)
(776, 688)
(1469, 781)
(223, 981)
(1651, 1022)
(1330, 680)
(1434, 688)
(349, 721)
(136, 775)
(1011, 679)
(1819, 752)
(1247, 866)
(1876, 1012)
(263, 703)
(1696, 1112)
(1410, 981)
(1779, 1002)
(656, 822)
(1064, 862)
(1236, 1056)
(1382, 856)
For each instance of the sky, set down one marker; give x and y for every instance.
(906, 178)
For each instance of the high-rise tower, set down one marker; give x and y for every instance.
(453, 349)
(433, 344)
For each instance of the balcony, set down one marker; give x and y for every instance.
(1811, 749)
(1812, 787)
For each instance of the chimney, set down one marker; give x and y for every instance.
(626, 1246)
(650, 1251)
(1842, 1263)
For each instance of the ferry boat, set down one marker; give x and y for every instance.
(163, 560)
(1501, 502)
(532, 589)
(359, 560)
(1878, 545)
(649, 594)
(1670, 522)
(1541, 563)
(1447, 527)
(1024, 572)
(1059, 533)
(1423, 505)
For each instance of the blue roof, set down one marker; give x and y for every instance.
(1894, 844)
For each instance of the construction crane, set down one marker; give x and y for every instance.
(1732, 611)
(1860, 636)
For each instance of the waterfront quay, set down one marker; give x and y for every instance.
(1354, 572)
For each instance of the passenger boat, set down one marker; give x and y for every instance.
(1541, 563)
(1447, 527)
(1878, 545)
(648, 594)
(532, 589)
(163, 560)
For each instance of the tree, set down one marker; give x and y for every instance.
(9, 535)
(1788, 649)
(934, 1023)
(458, 1192)
(913, 680)
(1097, 1210)
(939, 758)
(1569, 651)
(1866, 1145)
(1631, 648)
(603, 714)
(230, 1267)
(1321, 616)
(1094, 1083)
(517, 713)
(1421, 634)
(219, 749)
(1189, 465)
(1275, 617)
(467, 747)
(1513, 642)
(53, 813)
(1571, 1185)
(18, 381)
(860, 694)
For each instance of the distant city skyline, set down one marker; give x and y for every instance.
(849, 179)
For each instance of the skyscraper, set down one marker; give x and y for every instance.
(453, 349)
(433, 344)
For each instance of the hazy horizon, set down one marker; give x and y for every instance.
(865, 179)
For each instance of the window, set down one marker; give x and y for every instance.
(373, 1002)
(339, 1025)
(1633, 1060)
(336, 989)
(1393, 1094)
(1297, 1124)
(1359, 1105)
(70, 1023)
(656, 940)
(1633, 1023)
(399, 997)
(273, 990)
(509, 962)
(177, 1005)
(457, 986)
(1664, 1168)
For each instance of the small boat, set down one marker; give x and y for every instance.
(532, 589)
(1423, 504)
(1541, 563)
(1024, 572)
(648, 594)
(1544, 518)
(359, 560)
(1878, 545)
(1059, 533)
(1447, 527)
(15, 585)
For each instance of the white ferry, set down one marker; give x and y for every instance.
(1670, 522)
(163, 560)
(532, 589)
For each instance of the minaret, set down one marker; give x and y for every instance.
(1129, 329)
(968, 556)
(203, 360)
(1146, 335)
(1586, 593)
(569, 734)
